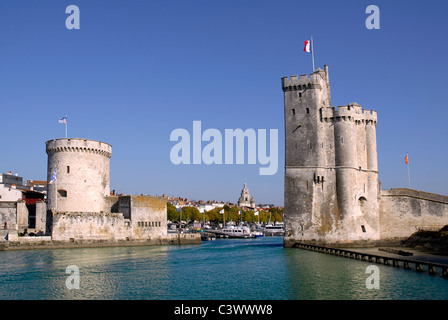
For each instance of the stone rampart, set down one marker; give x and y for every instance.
(405, 211)
(71, 226)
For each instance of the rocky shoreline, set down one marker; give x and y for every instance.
(432, 241)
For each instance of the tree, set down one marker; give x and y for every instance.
(214, 215)
(171, 212)
(191, 213)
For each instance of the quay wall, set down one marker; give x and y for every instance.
(28, 243)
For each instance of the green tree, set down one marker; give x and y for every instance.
(191, 213)
(214, 215)
(171, 212)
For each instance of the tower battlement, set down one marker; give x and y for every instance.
(78, 145)
(317, 79)
(350, 112)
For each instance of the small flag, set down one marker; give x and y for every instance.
(179, 209)
(53, 177)
(256, 213)
(307, 46)
(222, 211)
(239, 212)
(406, 159)
(63, 120)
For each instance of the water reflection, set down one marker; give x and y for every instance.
(318, 276)
(221, 269)
(105, 273)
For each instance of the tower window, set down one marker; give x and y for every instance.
(363, 228)
(300, 94)
(68, 169)
(293, 111)
(62, 193)
(307, 110)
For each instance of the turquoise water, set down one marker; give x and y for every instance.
(229, 269)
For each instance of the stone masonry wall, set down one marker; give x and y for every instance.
(89, 226)
(148, 217)
(8, 214)
(405, 211)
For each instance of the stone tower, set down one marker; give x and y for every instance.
(331, 174)
(83, 174)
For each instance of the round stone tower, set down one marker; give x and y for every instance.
(78, 174)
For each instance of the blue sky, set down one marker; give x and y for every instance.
(137, 70)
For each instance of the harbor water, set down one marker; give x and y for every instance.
(224, 269)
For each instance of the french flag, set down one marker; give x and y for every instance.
(307, 46)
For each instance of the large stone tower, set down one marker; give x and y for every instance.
(82, 174)
(331, 174)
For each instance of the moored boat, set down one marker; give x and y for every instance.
(274, 230)
(257, 234)
(233, 232)
(207, 236)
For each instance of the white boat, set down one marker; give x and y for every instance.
(257, 234)
(233, 232)
(274, 230)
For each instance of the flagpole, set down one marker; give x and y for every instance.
(66, 124)
(312, 50)
(409, 175)
(56, 192)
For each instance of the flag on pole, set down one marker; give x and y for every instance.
(406, 159)
(239, 212)
(63, 120)
(53, 177)
(222, 211)
(307, 46)
(256, 213)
